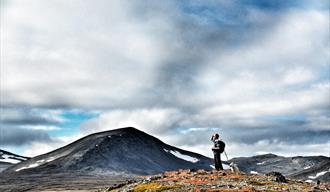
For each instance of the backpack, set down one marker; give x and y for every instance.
(219, 146)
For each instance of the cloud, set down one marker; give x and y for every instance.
(154, 121)
(41, 147)
(167, 67)
(119, 51)
(263, 147)
(151, 54)
(17, 116)
(19, 127)
(298, 75)
(10, 136)
(38, 148)
(174, 127)
(41, 127)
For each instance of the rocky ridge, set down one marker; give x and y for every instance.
(211, 181)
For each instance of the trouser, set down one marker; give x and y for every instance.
(217, 161)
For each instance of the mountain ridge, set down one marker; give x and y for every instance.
(124, 151)
(297, 167)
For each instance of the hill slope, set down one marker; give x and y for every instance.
(117, 152)
(8, 159)
(187, 180)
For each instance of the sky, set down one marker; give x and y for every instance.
(256, 72)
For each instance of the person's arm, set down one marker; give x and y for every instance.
(212, 138)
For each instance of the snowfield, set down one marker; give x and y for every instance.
(182, 156)
(11, 159)
(38, 163)
(318, 174)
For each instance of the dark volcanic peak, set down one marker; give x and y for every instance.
(121, 151)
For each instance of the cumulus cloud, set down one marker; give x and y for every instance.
(154, 121)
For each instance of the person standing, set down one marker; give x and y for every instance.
(218, 148)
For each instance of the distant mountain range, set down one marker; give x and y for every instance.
(129, 152)
(8, 159)
(309, 168)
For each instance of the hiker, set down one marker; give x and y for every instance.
(218, 148)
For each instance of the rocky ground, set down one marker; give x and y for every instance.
(200, 180)
(64, 182)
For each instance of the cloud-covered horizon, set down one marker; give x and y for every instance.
(255, 71)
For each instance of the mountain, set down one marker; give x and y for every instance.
(319, 172)
(125, 151)
(309, 168)
(8, 159)
(111, 158)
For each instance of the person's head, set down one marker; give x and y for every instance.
(216, 136)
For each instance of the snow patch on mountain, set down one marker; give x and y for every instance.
(261, 163)
(28, 167)
(37, 164)
(319, 174)
(7, 157)
(307, 167)
(182, 156)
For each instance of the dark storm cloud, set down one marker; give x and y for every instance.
(284, 4)
(28, 120)
(27, 116)
(11, 136)
(19, 126)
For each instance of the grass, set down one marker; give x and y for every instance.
(153, 187)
